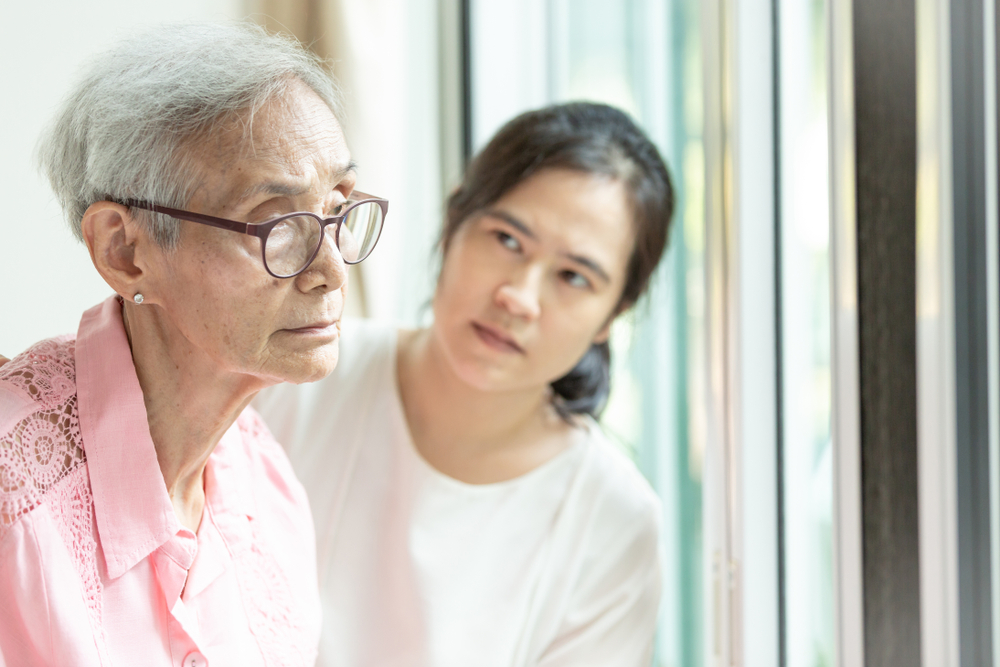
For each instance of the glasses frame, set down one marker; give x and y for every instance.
(262, 229)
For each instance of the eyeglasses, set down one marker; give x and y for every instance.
(291, 242)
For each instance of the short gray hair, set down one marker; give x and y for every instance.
(121, 132)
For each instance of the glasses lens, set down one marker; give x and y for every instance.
(359, 232)
(291, 243)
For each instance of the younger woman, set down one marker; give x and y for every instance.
(469, 509)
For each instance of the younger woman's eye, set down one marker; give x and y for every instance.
(574, 279)
(508, 241)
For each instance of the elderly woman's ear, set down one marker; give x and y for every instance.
(118, 246)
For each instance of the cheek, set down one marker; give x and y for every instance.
(464, 281)
(570, 331)
(224, 306)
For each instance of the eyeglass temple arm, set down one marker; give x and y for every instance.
(259, 230)
(222, 223)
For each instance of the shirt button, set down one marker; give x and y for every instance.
(194, 659)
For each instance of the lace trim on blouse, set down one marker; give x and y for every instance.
(45, 446)
(42, 459)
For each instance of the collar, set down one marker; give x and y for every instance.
(228, 488)
(133, 511)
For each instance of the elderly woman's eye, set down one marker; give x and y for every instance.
(508, 241)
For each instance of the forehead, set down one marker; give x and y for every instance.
(293, 139)
(578, 213)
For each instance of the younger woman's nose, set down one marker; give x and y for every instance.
(520, 296)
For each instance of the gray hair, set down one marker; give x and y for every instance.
(121, 132)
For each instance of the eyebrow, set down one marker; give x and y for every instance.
(523, 228)
(286, 189)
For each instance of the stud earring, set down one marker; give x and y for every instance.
(137, 298)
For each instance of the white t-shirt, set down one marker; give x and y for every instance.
(559, 566)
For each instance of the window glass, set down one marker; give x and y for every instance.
(805, 334)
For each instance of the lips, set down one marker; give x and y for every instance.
(323, 326)
(496, 338)
(317, 325)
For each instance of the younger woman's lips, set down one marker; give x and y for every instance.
(495, 339)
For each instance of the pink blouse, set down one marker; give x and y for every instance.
(96, 569)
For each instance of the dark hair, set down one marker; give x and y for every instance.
(589, 138)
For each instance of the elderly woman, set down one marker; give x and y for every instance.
(146, 515)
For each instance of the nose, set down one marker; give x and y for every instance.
(327, 272)
(520, 296)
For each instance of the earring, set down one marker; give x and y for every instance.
(137, 298)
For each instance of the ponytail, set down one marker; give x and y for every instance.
(585, 389)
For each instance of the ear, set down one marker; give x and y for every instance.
(113, 237)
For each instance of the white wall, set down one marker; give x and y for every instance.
(46, 277)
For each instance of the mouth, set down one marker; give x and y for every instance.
(320, 328)
(496, 339)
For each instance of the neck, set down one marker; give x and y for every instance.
(468, 433)
(190, 403)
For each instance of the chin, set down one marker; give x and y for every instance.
(477, 371)
(311, 367)
(483, 376)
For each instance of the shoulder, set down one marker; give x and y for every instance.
(614, 553)
(40, 441)
(612, 558)
(624, 497)
(618, 515)
(42, 377)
